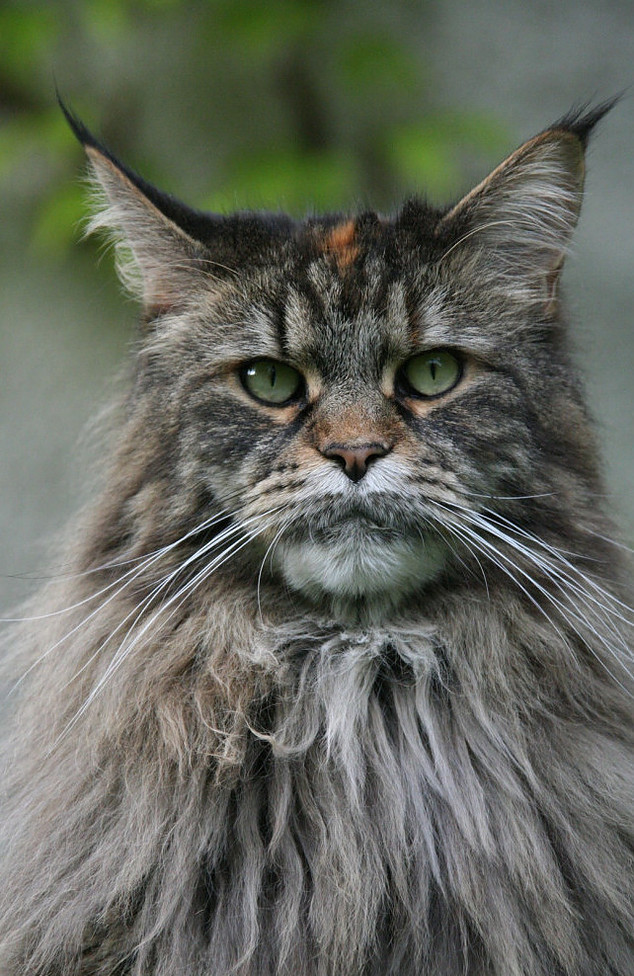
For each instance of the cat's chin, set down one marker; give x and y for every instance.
(361, 566)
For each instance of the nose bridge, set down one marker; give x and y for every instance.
(352, 419)
(354, 431)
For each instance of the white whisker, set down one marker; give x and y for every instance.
(474, 554)
(613, 542)
(139, 608)
(507, 498)
(463, 531)
(125, 649)
(560, 554)
(571, 611)
(130, 577)
(270, 550)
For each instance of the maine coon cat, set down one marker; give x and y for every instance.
(338, 682)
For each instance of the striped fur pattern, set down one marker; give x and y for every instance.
(275, 721)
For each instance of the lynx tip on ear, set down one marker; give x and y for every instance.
(99, 155)
(82, 134)
(582, 119)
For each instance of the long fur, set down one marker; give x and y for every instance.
(222, 766)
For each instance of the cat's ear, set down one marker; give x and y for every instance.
(514, 228)
(158, 258)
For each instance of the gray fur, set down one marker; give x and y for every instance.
(232, 757)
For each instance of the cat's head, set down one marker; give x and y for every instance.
(350, 391)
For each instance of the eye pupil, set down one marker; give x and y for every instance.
(271, 382)
(431, 374)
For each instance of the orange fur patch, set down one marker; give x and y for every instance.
(340, 243)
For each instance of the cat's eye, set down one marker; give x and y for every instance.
(271, 381)
(432, 373)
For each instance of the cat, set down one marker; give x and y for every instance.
(339, 680)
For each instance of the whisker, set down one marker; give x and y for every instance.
(115, 563)
(613, 542)
(463, 563)
(139, 608)
(234, 529)
(560, 556)
(463, 531)
(125, 649)
(147, 560)
(554, 573)
(270, 550)
(571, 613)
(508, 498)
(132, 574)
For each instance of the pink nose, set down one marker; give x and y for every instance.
(356, 458)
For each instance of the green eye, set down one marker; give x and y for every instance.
(270, 381)
(432, 373)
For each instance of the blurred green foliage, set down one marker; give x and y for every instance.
(293, 104)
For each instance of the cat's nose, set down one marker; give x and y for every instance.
(356, 458)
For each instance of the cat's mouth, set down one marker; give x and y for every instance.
(332, 518)
(353, 526)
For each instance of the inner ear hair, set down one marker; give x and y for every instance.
(156, 259)
(552, 286)
(517, 223)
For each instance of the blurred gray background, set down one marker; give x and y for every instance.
(302, 104)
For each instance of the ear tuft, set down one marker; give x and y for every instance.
(582, 119)
(79, 130)
(517, 224)
(157, 259)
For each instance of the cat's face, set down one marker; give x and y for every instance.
(335, 425)
(345, 388)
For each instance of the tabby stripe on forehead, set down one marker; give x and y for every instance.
(278, 319)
